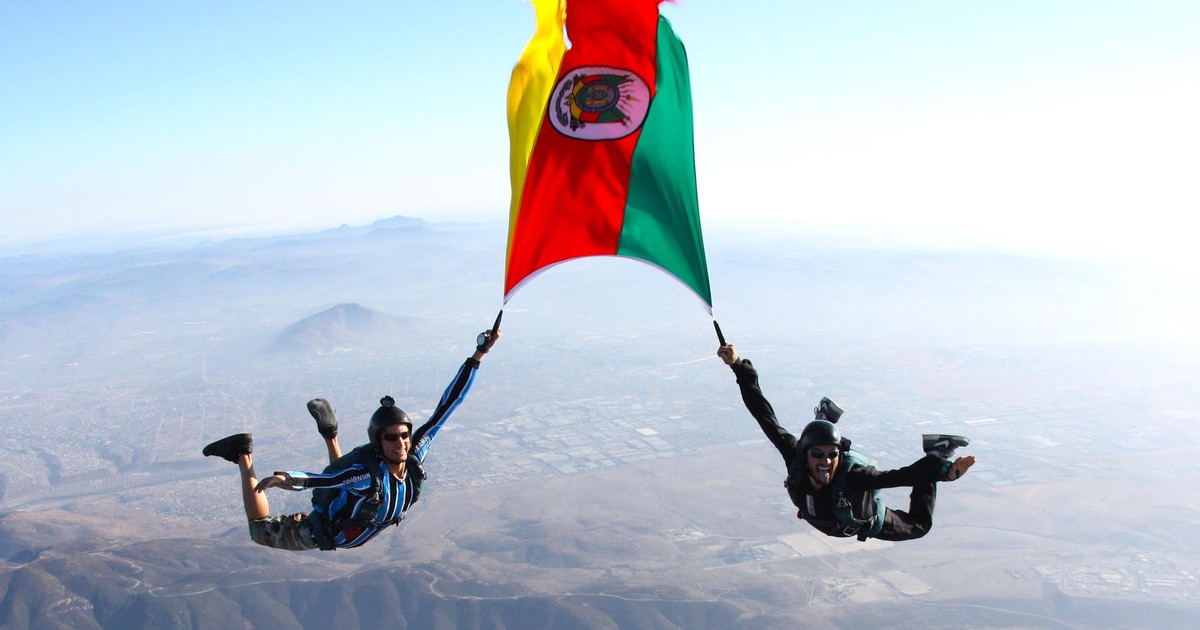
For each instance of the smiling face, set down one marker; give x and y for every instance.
(822, 463)
(394, 442)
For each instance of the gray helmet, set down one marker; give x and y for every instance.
(819, 432)
(388, 415)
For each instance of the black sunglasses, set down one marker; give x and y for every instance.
(392, 437)
(817, 453)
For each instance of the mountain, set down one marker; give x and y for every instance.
(340, 328)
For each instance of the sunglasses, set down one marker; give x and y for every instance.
(817, 453)
(392, 437)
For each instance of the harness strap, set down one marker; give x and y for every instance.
(845, 524)
(320, 528)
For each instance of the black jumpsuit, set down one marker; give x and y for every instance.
(817, 506)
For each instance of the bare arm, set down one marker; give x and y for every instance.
(278, 480)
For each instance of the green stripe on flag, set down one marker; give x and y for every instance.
(662, 213)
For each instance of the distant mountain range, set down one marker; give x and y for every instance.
(212, 587)
(604, 472)
(51, 306)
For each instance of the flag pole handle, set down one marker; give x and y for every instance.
(496, 326)
(720, 337)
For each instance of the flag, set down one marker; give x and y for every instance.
(611, 167)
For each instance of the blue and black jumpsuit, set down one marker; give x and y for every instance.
(352, 476)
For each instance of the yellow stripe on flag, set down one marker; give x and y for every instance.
(528, 92)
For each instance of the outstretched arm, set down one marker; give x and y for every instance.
(351, 476)
(756, 403)
(278, 480)
(928, 469)
(454, 395)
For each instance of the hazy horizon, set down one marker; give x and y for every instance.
(576, 484)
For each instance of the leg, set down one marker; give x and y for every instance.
(917, 521)
(333, 448)
(237, 448)
(254, 502)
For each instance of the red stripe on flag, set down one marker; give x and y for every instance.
(575, 192)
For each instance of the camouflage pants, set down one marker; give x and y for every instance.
(290, 532)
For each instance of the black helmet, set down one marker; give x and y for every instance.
(388, 415)
(819, 432)
(827, 410)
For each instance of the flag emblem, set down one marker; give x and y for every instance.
(600, 103)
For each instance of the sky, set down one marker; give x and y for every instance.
(1061, 128)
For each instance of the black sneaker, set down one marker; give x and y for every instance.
(942, 445)
(231, 447)
(326, 420)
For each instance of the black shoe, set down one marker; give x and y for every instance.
(231, 447)
(326, 420)
(942, 445)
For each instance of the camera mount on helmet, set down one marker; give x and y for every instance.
(827, 410)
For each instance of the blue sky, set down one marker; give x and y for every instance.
(1056, 127)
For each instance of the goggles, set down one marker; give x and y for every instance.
(392, 437)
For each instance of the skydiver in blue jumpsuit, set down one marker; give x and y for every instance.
(360, 493)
